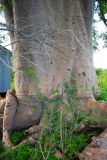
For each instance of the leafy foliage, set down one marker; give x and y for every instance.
(101, 10)
(95, 37)
(102, 82)
(104, 37)
(1, 8)
(79, 115)
(102, 6)
(61, 132)
(2, 38)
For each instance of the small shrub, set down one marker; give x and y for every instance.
(60, 133)
(78, 115)
(102, 83)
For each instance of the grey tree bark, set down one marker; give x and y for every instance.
(57, 55)
(53, 42)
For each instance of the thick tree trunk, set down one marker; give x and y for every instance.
(53, 43)
(56, 37)
(29, 107)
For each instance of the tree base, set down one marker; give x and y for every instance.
(18, 113)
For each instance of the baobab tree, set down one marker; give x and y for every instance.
(51, 41)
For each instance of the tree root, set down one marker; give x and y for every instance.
(36, 128)
(8, 107)
(34, 133)
(97, 149)
(14, 116)
(6, 140)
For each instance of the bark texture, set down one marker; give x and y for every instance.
(55, 37)
(9, 115)
(97, 149)
(9, 120)
(52, 42)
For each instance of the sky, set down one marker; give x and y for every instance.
(99, 56)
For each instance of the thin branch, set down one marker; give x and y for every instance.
(34, 64)
(7, 65)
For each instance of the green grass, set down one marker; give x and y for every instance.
(24, 152)
(76, 143)
(60, 132)
(17, 136)
(72, 146)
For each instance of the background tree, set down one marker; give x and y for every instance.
(95, 37)
(101, 10)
